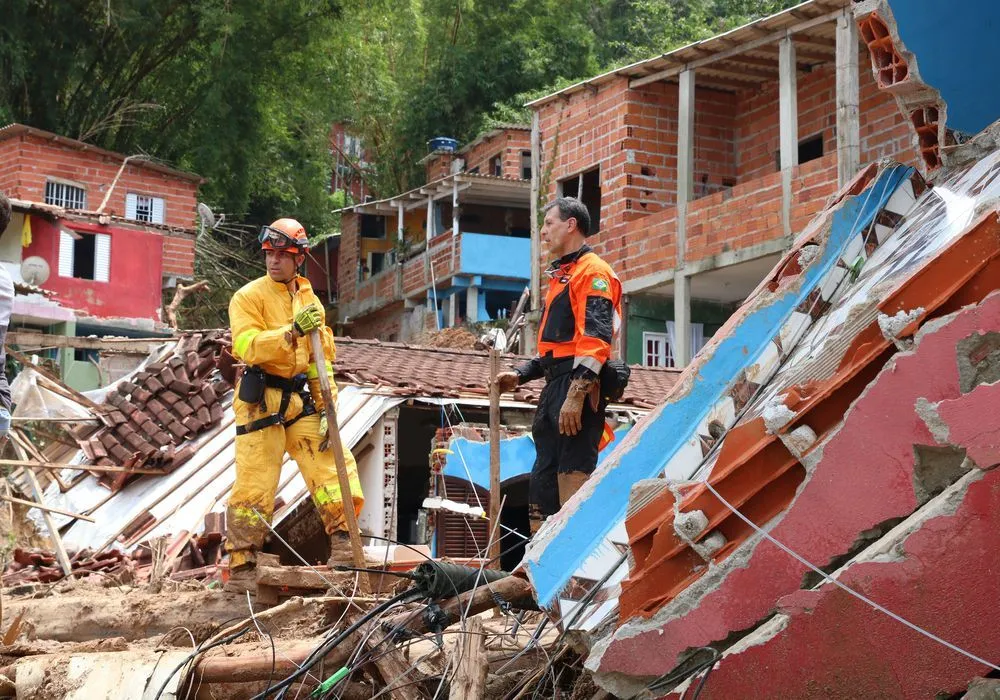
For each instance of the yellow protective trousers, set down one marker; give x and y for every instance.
(259, 456)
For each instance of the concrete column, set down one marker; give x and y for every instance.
(454, 207)
(682, 319)
(452, 310)
(788, 110)
(848, 120)
(685, 160)
(400, 233)
(472, 304)
(685, 192)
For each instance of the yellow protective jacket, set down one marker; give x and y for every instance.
(261, 315)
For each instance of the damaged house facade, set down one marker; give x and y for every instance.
(454, 251)
(700, 166)
(94, 241)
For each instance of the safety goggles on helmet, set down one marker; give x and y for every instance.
(275, 239)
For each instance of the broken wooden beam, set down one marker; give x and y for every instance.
(469, 682)
(45, 508)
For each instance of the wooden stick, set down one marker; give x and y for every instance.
(494, 458)
(73, 393)
(45, 508)
(333, 440)
(78, 467)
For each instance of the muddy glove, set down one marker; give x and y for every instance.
(309, 318)
(4, 424)
(508, 381)
(571, 413)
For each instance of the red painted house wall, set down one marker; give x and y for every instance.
(133, 286)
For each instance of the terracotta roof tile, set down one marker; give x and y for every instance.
(416, 370)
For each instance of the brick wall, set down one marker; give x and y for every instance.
(508, 145)
(347, 265)
(178, 255)
(384, 324)
(632, 136)
(36, 159)
(884, 131)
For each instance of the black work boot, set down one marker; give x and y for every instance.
(341, 553)
(242, 578)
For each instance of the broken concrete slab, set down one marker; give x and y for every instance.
(854, 489)
(831, 644)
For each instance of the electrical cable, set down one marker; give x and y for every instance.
(846, 588)
(195, 653)
(328, 645)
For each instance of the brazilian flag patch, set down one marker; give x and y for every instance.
(601, 285)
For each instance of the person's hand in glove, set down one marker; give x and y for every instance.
(309, 318)
(508, 381)
(571, 413)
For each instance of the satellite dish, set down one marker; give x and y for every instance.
(35, 270)
(205, 212)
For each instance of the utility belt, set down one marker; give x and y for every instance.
(614, 374)
(251, 390)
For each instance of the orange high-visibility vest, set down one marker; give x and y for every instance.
(582, 312)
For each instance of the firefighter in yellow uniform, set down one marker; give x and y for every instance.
(278, 404)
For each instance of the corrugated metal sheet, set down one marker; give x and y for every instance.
(179, 501)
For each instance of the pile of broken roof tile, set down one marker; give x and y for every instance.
(41, 566)
(161, 407)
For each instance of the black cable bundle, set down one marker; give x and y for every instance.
(443, 579)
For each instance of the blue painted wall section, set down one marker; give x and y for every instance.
(665, 431)
(957, 53)
(497, 256)
(516, 457)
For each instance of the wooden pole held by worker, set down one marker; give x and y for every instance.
(494, 459)
(333, 440)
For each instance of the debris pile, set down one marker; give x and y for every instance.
(41, 566)
(150, 414)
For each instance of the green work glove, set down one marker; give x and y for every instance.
(308, 319)
(324, 425)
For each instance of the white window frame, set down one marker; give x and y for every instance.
(102, 255)
(664, 354)
(156, 207)
(62, 200)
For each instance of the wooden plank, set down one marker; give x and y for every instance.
(494, 541)
(335, 444)
(770, 38)
(471, 664)
(44, 508)
(291, 576)
(79, 467)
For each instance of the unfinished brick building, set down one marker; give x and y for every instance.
(702, 164)
(395, 280)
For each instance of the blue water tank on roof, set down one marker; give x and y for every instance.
(443, 144)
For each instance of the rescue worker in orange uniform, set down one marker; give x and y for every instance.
(278, 404)
(580, 322)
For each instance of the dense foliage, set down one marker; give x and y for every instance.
(243, 92)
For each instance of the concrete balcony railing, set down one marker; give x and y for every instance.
(739, 218)
(447, 256)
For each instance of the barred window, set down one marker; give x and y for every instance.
(64, 195)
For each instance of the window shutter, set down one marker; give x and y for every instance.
(158, 210)
(102, 257)
(65, 254)
(131, 201)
